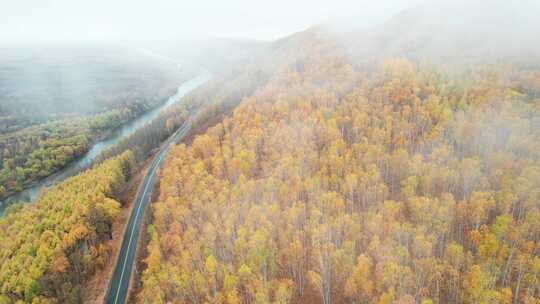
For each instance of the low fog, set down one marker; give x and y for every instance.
(52, 50)
(401, 27)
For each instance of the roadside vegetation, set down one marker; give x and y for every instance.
(49, 248)
(204, 106)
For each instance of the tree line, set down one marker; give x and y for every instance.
(49, 248)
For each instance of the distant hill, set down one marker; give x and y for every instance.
(458, 31)
(44, 81)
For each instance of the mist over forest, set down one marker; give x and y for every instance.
(52, 79)
(270, 153)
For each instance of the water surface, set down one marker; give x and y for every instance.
(29, 194)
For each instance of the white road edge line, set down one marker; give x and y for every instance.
(152, 171)
(154, 167)
(133, 230)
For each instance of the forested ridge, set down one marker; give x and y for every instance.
(346, 182)
(49, 248)
(50, 80)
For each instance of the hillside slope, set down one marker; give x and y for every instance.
(453, 33)
(339, 181)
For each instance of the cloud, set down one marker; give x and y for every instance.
(46, 20)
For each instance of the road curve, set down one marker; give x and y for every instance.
(118, 289)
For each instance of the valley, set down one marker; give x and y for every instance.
(270, 153)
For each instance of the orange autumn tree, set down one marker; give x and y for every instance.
(337, 183)
(50, 247)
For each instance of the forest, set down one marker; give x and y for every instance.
(270, 152)
(203, 107)
(82, 78)
(38, 151)
(49, 248)
(341, 181)
(53, 113)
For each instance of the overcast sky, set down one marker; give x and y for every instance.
(95, 20)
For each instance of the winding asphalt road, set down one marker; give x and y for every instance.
(118, 290)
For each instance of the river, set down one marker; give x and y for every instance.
(29, 194)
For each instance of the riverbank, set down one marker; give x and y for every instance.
(93, 140)
(30, 193)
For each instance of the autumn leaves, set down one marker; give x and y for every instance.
(389, 186)
(49, 248)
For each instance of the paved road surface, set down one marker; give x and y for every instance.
(122, 274)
